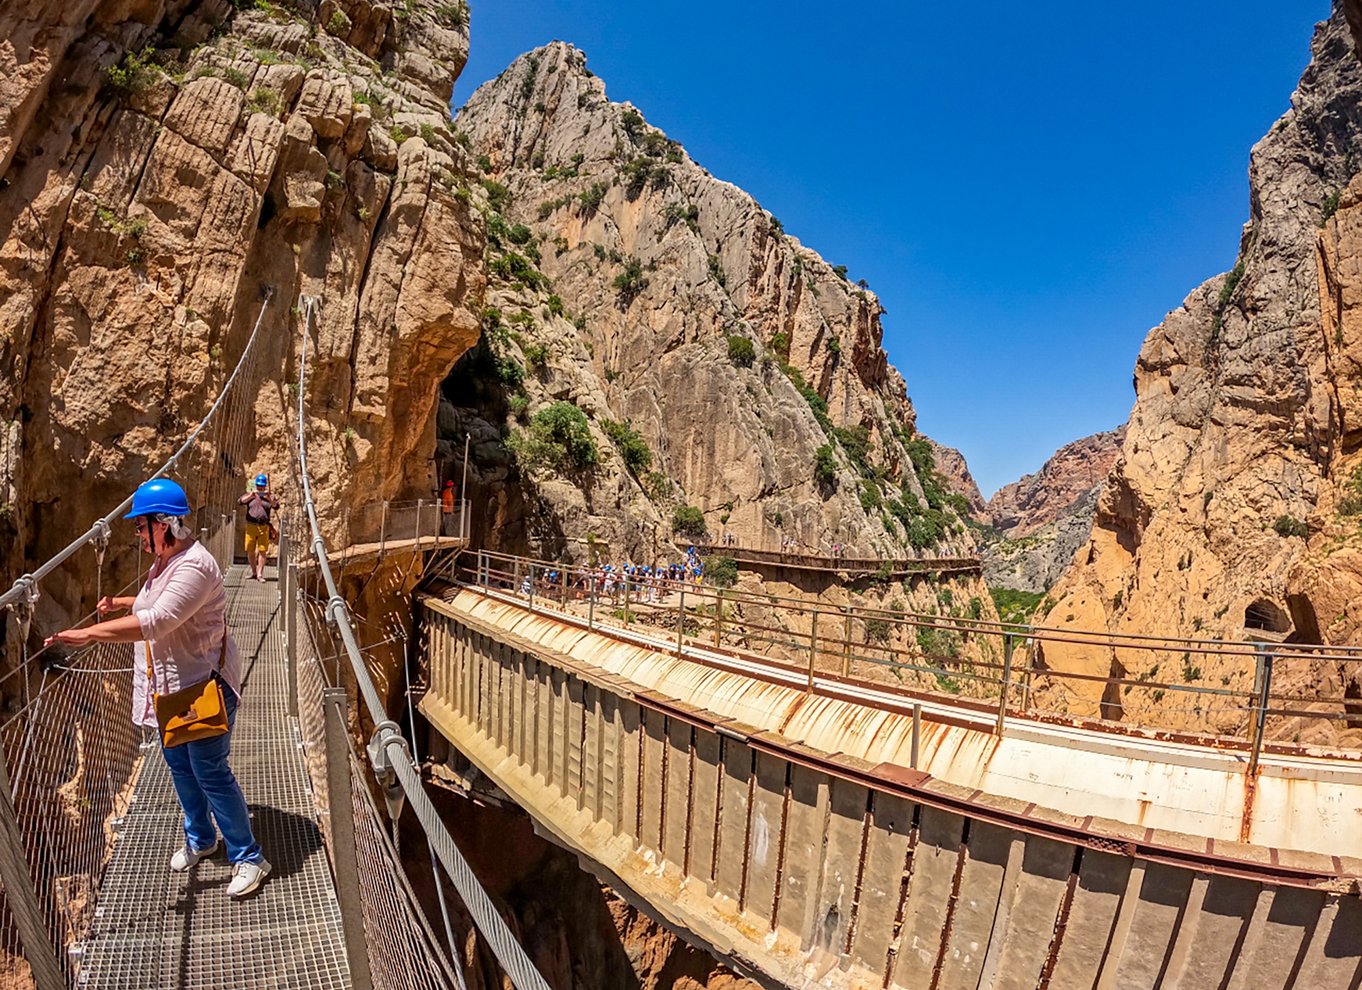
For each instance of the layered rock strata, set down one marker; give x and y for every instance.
(1040, 521)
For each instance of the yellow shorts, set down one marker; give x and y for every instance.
(258, 538)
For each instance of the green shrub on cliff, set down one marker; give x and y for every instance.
(632, 447)
(1290, 526)
(824, 466)
(688, 521)
(722, 571)
(740, 351)
(558, 437)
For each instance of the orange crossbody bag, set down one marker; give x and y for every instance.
(191, 713)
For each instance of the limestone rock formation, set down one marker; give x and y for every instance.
(629, 282)
(1041, 520)
(1069, 475)
(160, 161)
(955, 473)
(1229, 504)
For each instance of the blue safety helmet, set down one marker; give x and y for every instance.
(159, 495)
(262, 479)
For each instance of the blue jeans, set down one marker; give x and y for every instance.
(203, 782)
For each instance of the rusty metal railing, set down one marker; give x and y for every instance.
(840, 562)
(1242, 695)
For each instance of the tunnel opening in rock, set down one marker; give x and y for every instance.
(1266, 615)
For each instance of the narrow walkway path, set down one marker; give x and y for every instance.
(158, 930)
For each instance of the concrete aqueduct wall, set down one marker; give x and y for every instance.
(803, 868)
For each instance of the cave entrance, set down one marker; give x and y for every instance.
(1267, 615)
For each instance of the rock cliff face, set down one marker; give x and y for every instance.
(160, 161)
(743, 374)
(1071, 473)
(1041, 520)
(1229, 505)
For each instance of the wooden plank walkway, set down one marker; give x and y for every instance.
(157, 929)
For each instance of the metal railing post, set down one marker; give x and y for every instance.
(418, 524)
(344, 858)
(591, 603)
(533, 582)
(917, 736)
(846, 644)
(226, 554)
(563, 596)
(628, 580)
(1262, 690)
(281, 566)
(383, 528)
(813, 647)
(515, 576)
(680, 619)
(1007, 682)
(290, 605)
(718, 617)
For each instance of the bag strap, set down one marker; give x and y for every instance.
(151, 678)
(222, 654)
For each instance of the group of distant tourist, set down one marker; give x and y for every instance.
(645, 583)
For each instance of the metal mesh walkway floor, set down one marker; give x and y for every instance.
(157, 929)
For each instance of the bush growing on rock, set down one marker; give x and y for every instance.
(824, 466)
(630, 282)
(591, 197)
(498, 196)
(632, 122)
(740, 351)
(632, 447)
(688, 521)
(558, 437)
(722, 571)
(134, 73)
(1290, 526)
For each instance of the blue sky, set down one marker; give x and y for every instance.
(1028, 187)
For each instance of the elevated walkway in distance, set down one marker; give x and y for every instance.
(851, 566)
(156, 929)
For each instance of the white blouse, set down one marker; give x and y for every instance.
(181, 608)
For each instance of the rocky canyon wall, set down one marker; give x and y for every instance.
(160, 162)
(719, 363)
(1036, 524)
(1228, 512)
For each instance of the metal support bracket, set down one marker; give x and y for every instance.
(388, 734)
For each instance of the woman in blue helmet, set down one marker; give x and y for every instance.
(180, 614)
(259, 504)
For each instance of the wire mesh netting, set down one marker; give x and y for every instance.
(402, 950)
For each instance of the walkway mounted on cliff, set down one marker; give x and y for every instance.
(890, 567)
(86, 809)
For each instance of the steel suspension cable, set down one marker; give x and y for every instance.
(24, 590)
(388, 738)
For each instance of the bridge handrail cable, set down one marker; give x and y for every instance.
(24, 590)
(387, 736)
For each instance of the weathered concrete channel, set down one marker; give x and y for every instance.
(804, 866)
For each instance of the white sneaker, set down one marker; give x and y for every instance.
(186, 858)
(246, 877)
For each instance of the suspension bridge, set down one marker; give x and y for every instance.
(821, 795)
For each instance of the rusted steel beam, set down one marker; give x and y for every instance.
(922, 788)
